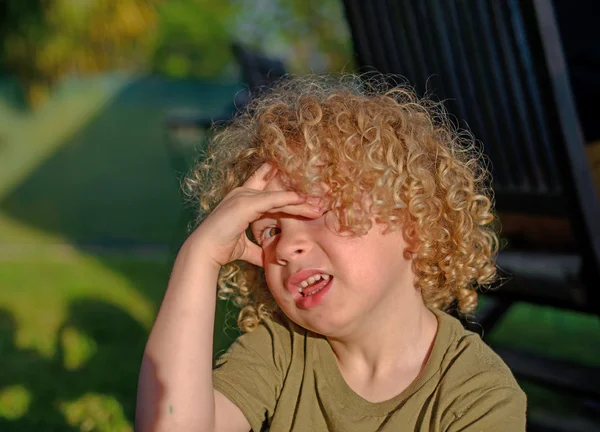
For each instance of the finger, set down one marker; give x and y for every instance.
(261, 177)
(267, 201)
(303, 209)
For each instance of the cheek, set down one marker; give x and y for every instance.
(375, 265)
(273, 278)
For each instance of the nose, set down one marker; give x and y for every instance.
(293, 243)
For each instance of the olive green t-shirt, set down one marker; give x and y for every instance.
(287, 378)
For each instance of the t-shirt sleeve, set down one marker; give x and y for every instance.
(251, 373)
(497, 410)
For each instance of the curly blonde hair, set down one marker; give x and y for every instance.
(384, 154)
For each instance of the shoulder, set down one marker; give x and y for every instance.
(273, 340)
(474, 380)
(252, 373)
(468, 359)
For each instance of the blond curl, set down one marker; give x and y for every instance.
(384, 155)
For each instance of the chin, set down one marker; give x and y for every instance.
(325, 322)
(328, 327)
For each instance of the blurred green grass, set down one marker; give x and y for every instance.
(72, 334)
(91, 169)
(89, 211)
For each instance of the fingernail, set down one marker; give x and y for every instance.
(314, 200)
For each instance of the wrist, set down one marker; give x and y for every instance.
(196, 250)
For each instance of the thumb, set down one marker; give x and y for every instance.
(252, 253)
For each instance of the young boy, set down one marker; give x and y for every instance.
(370, 217)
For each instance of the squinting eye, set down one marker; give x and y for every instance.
(265, 233)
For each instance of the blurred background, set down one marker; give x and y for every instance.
(103, 106)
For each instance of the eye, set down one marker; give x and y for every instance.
(267, 233)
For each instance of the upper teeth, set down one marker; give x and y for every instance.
(312, 279)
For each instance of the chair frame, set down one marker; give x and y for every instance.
(384, 45)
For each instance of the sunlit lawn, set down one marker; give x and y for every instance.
(89, 169)
(72, 332)
(73, 323)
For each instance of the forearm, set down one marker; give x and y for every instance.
(175, 387)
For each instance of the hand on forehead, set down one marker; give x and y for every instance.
(275, 183)
(276, 180)
(266, 178)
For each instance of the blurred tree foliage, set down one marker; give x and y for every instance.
(324, 28)
(312, 35)
(194, 38)
(195, 35)
(44, 40)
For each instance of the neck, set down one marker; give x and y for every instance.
(398, 342)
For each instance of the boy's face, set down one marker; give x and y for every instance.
(369, 277)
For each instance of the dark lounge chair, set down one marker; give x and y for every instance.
(499, 65)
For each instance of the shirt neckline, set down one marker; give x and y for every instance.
(351, 399)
